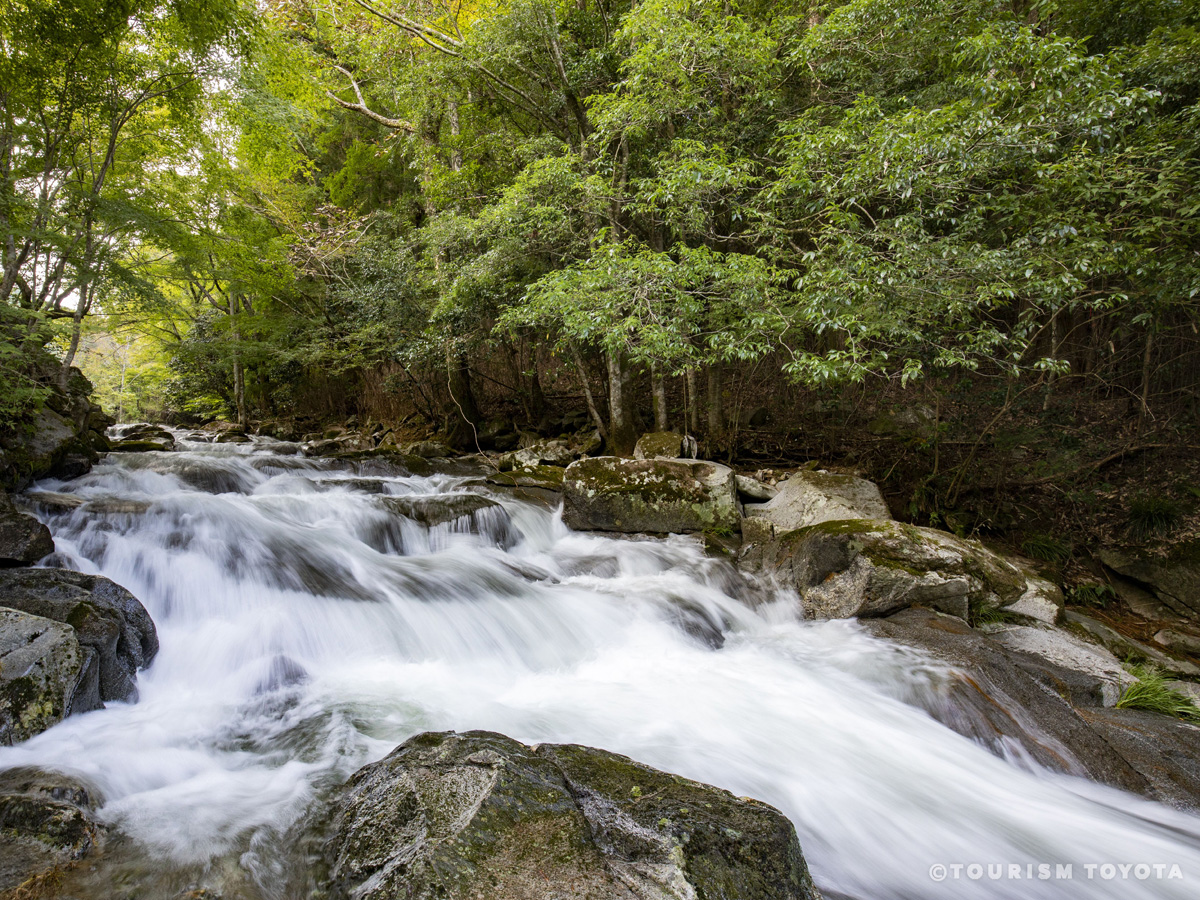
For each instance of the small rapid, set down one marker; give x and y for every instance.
(313, 614)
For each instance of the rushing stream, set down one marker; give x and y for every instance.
(306, 629)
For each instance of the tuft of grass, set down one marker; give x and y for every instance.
(1046, 548)
(994, 615)
(1095, 594)
(1152, 515)
(1150, 692)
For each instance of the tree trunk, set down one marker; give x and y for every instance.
(464, 414)
(658, 386)
(621, 430)
(239, 374)
(1147, 363)
(693, 405)
(587, 393)
(716, 423)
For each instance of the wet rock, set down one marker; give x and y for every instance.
(1174, 578)
(1003, 698)
(439, 509)
(46, 822)
(106, 618)
(809, 498)
(479, 815)
(1163, 750)
(861, 567)
(548, 478)
(23, 539)
(41, 664)
(141, 438)
(608, 493)
(232, 437)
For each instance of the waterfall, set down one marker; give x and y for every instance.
(314, 614)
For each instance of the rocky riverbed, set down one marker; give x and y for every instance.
(319, 605)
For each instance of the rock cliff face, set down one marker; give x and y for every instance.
(64, 439)
(480, 815)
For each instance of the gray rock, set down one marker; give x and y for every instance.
(1179, 641)
(1042, 600)
(106, 618)
(479, 815)
(1163, 750)
(1174, 578)
(45, 822)
(539, 453)
(428, 449)
(810, 498)
(1189, 689)
(753, 489)
(1065, 650)
(23, 539)
(862, 567)
(1127, 648)
(608, 493)
(41, 665)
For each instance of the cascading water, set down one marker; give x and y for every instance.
(307, 627)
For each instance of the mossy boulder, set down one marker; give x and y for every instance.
(547, 478)
(664, 445)
(108, 621)
(45, 822)
(868, 567)
(809, 498)
(23, 539)
(458, 816)
(609, 493)
(41, 668)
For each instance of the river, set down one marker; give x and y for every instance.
(306, 629)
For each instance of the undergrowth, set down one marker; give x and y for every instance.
(1150, 692)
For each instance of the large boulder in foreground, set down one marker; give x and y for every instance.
(458, 816)
(107, 619)
(23, 539)
(46, 822)
(869, 567)
(609, 493)
(42, 668)
(810, 498)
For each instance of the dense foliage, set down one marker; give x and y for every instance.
(469, 208)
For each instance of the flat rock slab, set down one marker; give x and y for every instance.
(107, 619)
(458, 816)
(657, 496)
(809, 498)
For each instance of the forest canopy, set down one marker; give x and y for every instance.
(464, 210)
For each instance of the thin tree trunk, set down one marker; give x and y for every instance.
(693, 404)
(716, 423)
(658, 386)
(239, 374)
(464, 414)
(621, 430)
(587, 392)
